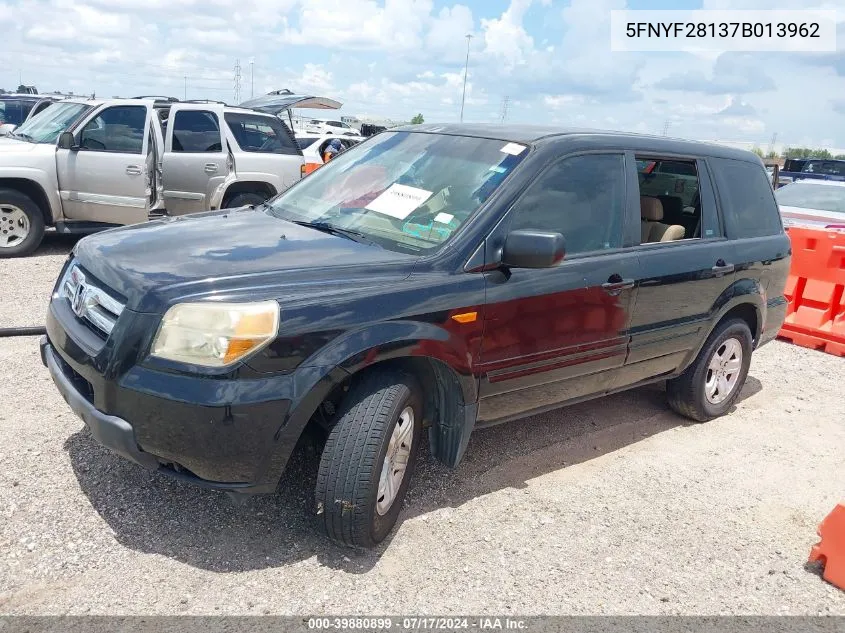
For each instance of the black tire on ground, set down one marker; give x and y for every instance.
(347, 491)
(686, 393)
(33, 214)
(244, 200)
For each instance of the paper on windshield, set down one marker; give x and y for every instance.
(515, 149)
(398, 201)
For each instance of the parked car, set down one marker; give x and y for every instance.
(314, 145)
(431, 281)
(813, 203)
(16, 109)
(339, 128)
(814, 169)
(86, 165)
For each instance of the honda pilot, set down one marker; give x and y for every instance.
(430, 281)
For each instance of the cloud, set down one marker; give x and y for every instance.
(839, 106)
(737, 108)
(731, 74)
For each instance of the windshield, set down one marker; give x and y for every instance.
(46, 126)
(15, 111)
(405, 191)
(811, 196)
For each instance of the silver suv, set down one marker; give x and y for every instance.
(86, 165)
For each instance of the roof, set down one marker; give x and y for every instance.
(534, 134)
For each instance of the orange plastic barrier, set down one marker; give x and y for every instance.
(816, 314)
(830, 551)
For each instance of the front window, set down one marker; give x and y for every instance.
(405, 191)
(15, 111)
(811, 196)
(46, 126)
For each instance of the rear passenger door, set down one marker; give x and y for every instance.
(682, 277)
(268, 151)
(194, 162)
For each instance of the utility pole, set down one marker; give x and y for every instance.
(505, 103)
(466, 71)
(237, 81)
(772, 144)
(251, 77)
(666, 127)
(186, 87)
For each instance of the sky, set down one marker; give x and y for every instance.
(394, 58)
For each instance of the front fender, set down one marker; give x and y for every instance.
(47, 181)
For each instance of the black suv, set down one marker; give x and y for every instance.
(436, 278)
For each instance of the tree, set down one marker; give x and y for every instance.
(758, 151)
(840, 157)
(805, 152)
(417, 120)
(772, 155)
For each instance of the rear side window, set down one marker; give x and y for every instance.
(196, 132)
(582, 198)
(262, 134)
(747, 199)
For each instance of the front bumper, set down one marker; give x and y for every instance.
(235, 446)
(110, 431)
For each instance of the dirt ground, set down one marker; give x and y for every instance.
(616, 506)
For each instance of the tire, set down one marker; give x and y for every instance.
(689, 394)
(244, 200)
(19, 214)
(351, 508)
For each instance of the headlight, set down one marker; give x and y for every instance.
(215, 334)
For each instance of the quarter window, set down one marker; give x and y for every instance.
(116, 129)
(196, 132)
(747, 198)
(264, 134)
(582, 198)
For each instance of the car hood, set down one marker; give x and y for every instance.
(226, 254)
(9, 145)
(810, 217)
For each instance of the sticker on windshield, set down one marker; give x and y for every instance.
(444, 218)
(514, 149)
(398, 201)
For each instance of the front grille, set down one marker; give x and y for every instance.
(90, 303)
(82, 386)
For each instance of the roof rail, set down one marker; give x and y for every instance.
(283, 91)
(158, 98)
(203, 101)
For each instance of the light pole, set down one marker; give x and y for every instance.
(251, 77)
(466, 71)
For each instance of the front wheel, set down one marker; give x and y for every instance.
(368, 459)
(244, 200)
(710, 386)
(21, 224)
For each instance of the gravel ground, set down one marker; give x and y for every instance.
(616, 506)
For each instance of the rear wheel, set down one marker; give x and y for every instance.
(711, 385)
(21, 224)
(244, 200)
(368, 459)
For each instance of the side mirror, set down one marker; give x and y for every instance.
(533, 249)
(66, 141)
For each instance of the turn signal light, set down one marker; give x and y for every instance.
(307, 168)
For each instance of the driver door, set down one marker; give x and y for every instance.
(195, 157)
(104, 178)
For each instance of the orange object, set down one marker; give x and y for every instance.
(465, 317)
(816, 314)
(830, 551)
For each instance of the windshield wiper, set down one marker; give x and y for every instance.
(331, 229)
(25, 137)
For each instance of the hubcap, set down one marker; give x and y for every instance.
(14, 225)
(395, 461)
(723, 371)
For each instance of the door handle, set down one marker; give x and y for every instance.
(615, 284)
(133, 170)
(210, 168)
(721, 268)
